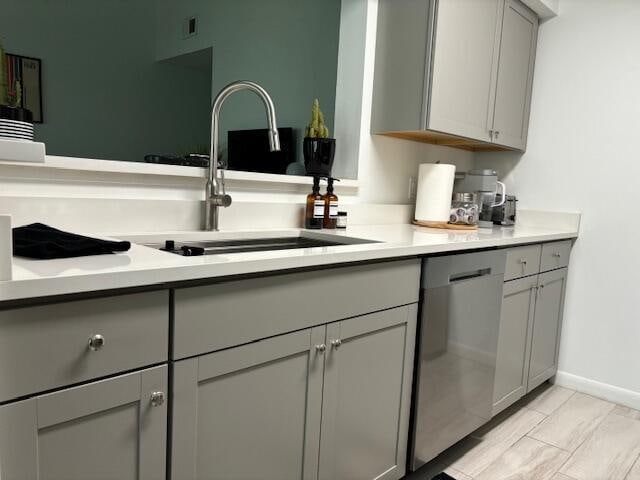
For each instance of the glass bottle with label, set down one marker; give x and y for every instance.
(330, 206)
(314, 213)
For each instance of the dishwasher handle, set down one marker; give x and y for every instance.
(445, 270)
(460, 277)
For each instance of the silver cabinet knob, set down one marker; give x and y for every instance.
(157, 399)
(523, 261)
(96, 342)
(496, 134)
(336, 343)
(321, 348)
(542, 286)
(557, 255)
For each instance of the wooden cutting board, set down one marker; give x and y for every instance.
(445, 225)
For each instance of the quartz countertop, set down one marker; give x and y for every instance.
(145, 266)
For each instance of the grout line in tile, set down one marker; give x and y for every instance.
(557, 408)
(571, 454)
(626, 476)
(549, 444)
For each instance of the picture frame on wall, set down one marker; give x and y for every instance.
(28, 71)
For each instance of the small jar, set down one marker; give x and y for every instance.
(464, 209)
(341, 221)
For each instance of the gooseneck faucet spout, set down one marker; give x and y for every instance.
(214, 197)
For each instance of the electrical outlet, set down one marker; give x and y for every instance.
(189, 27)
(413, 187)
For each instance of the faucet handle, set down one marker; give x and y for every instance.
(224, 191)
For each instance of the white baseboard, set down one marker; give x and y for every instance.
(605, 391)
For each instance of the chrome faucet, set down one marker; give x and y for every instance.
(214, 199)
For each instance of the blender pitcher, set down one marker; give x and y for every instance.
(487, 201)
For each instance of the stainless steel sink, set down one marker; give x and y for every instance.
(220, 247)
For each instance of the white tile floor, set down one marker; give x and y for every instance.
(552, 434)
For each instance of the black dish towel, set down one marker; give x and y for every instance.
(45, 243)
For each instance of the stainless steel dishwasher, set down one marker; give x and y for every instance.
(456, 351)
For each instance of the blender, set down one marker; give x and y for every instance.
(485, 184)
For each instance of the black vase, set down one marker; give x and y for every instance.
(319, 154)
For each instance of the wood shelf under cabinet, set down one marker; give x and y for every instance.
(445, 140)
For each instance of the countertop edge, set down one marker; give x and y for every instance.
(103, 282)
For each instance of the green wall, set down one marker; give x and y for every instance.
(290, 47)
(118, 82)
(104, 94)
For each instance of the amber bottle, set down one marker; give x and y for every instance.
(330, 206)
(314, 213)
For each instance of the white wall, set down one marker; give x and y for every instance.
(583, 155)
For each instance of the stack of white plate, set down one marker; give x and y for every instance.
(16, 130)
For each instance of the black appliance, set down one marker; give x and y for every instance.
(249, 151)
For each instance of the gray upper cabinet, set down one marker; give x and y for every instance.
(465, 53)
(547, 326)
(515, 75)
(516, 321)
(367, 390)
(109, 429)
(455, 72)
(250, 412)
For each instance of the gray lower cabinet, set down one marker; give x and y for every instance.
(516, 322)
(250, 412)
(113, 428)
(366, 400)
(547, 326)
(328, 402)
(530, 327)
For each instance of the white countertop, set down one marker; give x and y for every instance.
(144, 266)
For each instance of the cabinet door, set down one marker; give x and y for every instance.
(515, 75)
(250, 412)
(367, 389)
(516, 321)
(464, 67)
(547, 325)
(103, 430)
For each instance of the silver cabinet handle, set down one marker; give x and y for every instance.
(336, 343)
(321, 348)
(157, 398)
(496, 134)
(557, 255)
(542, 286)
(96, 342)
(491, 134)
(523, 262)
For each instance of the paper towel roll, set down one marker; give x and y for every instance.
(6, 247)
(435, 187)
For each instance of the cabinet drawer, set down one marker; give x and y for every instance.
(223, 315)
(47, 347)
(522, 261)
(555, 255)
